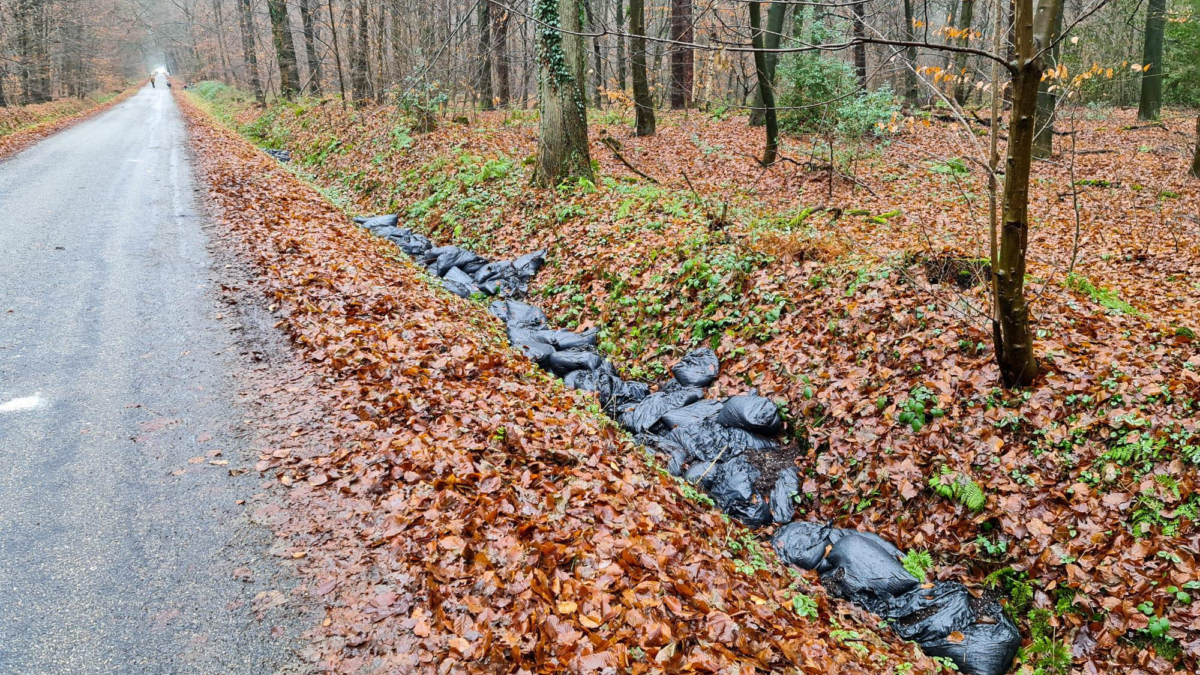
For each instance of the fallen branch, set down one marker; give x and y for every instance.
(813, 166)
(611, 143)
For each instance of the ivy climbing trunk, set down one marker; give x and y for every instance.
(774, 33)
(642, 103)
(563, 139)
(771, 151)
(1010, 324)
(285, 48)
(1152, 56)
(1043, 139)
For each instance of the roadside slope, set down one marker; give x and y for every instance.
(59, 117)
(457, 508)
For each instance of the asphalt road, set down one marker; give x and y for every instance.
(122, 547)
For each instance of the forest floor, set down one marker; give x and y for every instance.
(22, 126)
(860, 306)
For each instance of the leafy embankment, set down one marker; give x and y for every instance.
(455, 507)
(863, 313)
(21, 126)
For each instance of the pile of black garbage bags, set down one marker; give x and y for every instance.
(711, 443)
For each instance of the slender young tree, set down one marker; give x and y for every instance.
(681, 55)
(358, 56)
(771, 151)
(285, 49)
(483, 84)
(1152, 56)
(310, 46)
(246, 24)
(500, 46)
(965, 17)
(1043, 139)
(1196, 157)
(621, 45)
(774, 33)
(910, 56)
(642, 103)
(563, 139)
(860, 45)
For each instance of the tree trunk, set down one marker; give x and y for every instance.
(961, 88)
(771, 152)
(621, 79)
(484, 76)
(775, 14)
(910, 55)
(1152, 56)
(337, 52)
(1043, 139)
(358, 57)
(310, 47)
(860, 48)
(285, 49)
(681, 55)
(500, 42)
(563, 140)
(597, 59)
(1196, 156)
(249, 54)
(1010, 326)
(642, 103)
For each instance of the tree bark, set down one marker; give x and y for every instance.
(337, 52)
(860, 48)
(484, 76)
(642, 103)
(249, 54)
(358, 57)
(500, 42)
(1012, 335)
(1152, 56)
(774, 33)
(621, 70)
(310, 47)
(563, 140)
(1196, 156)
(771, 151)
(1043, 139)
(961, 88)
(285, 48)
(597, 59)
(681, 56)
(910, 55)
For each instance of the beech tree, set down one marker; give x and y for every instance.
(642, 103)
(681, 54)
(771, 150)
(1152, 57)
(563, 139)
(285, 49)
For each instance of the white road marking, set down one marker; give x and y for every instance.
(22, 404)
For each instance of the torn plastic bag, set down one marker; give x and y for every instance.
(698, 368)
(457, 257)
(928, 614)
(708, 440)
(654, 406)
(501, 278)
(372, 222)
(693, 414)
(864, 572)
(803, 543)
(529, 264)
(986, 647)
(518, 314)
(563, 362)
(787, 486)
(416, 246)
(752, 413)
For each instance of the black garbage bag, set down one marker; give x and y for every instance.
(375, 222)
(733, 482)
(452, 256)
(501, 278)
(836, 533)
(565, 339)
(803, 544)
(862, 571)
(495, 270)
(928, 614)
(752, 513)
(752, 413)
(986, 647)
(529, 264)
(698, 368)
(516, 314)
(401, 236)
(653, 407)
(537, 352)
(677, 462)
(708, 440)
(695, 413)
(787, 486)
(561, 363)
(388, 232)
(416, 246)
(626, 394)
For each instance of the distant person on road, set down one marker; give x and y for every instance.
(152, 85)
